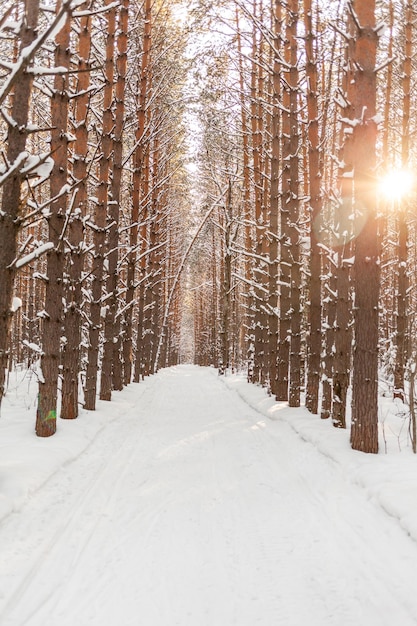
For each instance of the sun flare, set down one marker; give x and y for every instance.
(396, 184)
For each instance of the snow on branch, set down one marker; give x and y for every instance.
(108, 7)
(27, 54)
(253, 284)
(40, 70)
(35, 254)
(385, 64)
(39, 166)
(21, 158)
(10, 25)
(31, 166)
(32, 346)
(354, 15)
(43, 208)
(258, 257)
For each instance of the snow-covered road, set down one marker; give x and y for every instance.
(194, 510)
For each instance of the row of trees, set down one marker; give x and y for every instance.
(312, 271)
(93, 197)
(274, 243)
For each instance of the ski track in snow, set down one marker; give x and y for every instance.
(195, 510)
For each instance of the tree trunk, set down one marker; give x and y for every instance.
(145, 304)
(402, 308)
(138, 162)
(73, 318)
(226, 308)
(329, 326)
(343, 235)
(248, 322)
(289, 280)
(97, 311)
(364, 433)
(294, 210)
(259, 267)
(9, 215)
(274, 205)
(314, 337)
(342, 341)
(53, 317)
(111, 372)
(401, 338)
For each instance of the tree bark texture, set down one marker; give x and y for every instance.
(11, 201)
(111, 373)
(314, 336)
(401, 338)
(73, 318)
(293, 203)
(364, 432)
(138, 164)
(53, 314)
(97, 310)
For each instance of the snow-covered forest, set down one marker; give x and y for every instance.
(227, 183)
(208, 256)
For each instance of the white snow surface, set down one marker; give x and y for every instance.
(196, 500)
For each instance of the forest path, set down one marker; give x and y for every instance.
(194, 510)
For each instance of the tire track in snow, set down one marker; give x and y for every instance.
(231, 520)
(90, 496)
(325, 503)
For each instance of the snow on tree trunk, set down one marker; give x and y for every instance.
(343, 236)
(315, 206)
(294, 211)
(111, 372)
(137, 196)
(289, 357)
(259, 269)
(71, 354)
(11, 201)
(52, 326)
(401, 338)
(274, 204)
(364, 432)
(97, 309)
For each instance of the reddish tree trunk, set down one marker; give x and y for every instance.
(100, 217)
(9, 215)
(53, 318)
(111, 373)
(364, 433)
(314, 340)
(73, 319)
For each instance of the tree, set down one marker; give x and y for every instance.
(401, 335)
(57, 221)
(260, 273)
(315, 207)
(71, 351)
(289, 353)
(111, 373)
(97, 310)
(342, 245)
(364, 432)
(274, 201)
(10, 214)
(138, 206)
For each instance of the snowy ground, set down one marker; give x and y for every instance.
(195, 500)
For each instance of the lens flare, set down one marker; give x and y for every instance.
(396, 184)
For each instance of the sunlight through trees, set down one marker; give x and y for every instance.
(229, 183)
